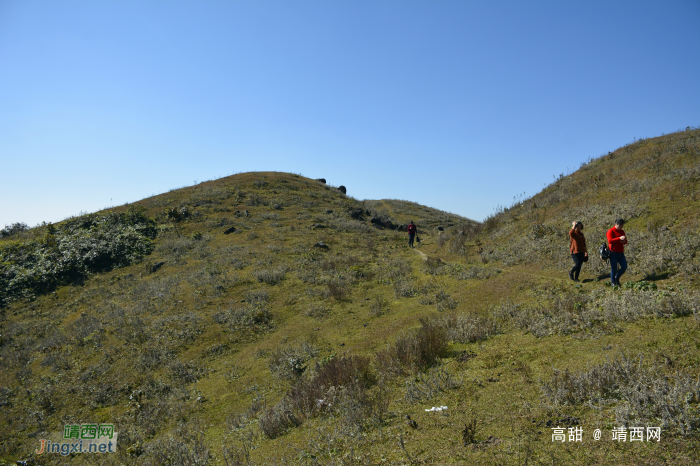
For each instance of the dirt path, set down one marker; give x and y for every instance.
(422, 255)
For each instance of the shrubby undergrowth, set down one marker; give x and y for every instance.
(602, 310)
(72, 250)
(642, 394)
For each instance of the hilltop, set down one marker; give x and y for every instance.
(268, 318)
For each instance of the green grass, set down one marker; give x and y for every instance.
(187, 359)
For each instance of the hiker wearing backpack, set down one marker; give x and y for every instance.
(616, 240)
(411, 233)
(579, 253)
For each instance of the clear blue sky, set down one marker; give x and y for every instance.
(458, 105)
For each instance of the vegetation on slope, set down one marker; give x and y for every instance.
(308, 334)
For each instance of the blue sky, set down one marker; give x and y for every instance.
(458, 105)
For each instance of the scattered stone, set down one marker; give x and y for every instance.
(229, 230)
(321, 245)
(329, 211)
(276, 206)
(155, 267)
(321, 180)
(342, 189)
(219, 287)
(440, 229)
(318, 225)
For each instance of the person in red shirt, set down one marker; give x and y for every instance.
(616, 243)
(411, 233)
(579, 253)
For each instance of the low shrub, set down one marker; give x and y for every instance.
(417, 350)
(72, 250)
(317, 311)
(426, 386)
(276, 420)
(642, 393)
(290, 362)
(269, 276)
(13, 229)
(347, 375)
(468, 328)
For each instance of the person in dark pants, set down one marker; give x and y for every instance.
(579, 253)
(411, 233)
(616, 241)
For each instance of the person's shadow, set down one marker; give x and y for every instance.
(588, 280)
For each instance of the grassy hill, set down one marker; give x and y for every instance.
(263, 318)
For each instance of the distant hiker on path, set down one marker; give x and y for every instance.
(411, 233)
(616, 241)
(579, 253)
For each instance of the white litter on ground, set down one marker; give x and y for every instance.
(439, 408)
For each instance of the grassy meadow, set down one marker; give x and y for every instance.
(270, 319)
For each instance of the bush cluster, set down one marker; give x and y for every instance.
(642, 393)
(332, 382)
(73, 250)
(600, 311)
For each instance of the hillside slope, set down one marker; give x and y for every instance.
(221, 330)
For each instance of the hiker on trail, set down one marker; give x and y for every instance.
(411, 233)
(616, 241)
(579, 253)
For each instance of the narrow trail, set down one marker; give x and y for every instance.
(522, 273)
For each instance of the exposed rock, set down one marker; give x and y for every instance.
(219, 287)
(329, 211)
(321, 245)
(276, 207)
(318, 225)
(342, 189)
(321, 180)
(155, 267)
(440, 229)
(229, 230)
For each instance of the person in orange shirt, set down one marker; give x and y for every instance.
(579, 253)
(616, 241)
